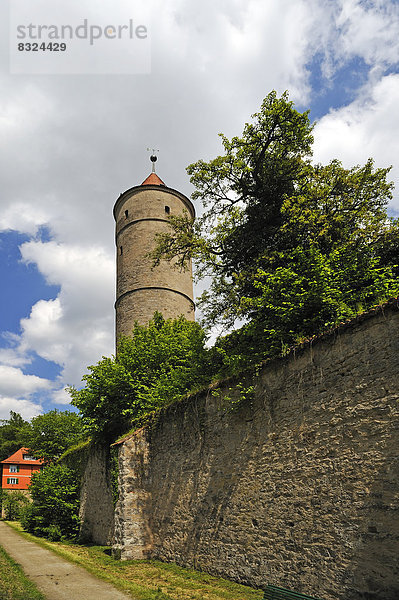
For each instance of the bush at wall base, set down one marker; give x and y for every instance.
(54, 511)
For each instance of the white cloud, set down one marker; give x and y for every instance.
(73, 144)
(12, 357)
(41, 330)
(25, 408)
(61, 397)
(370, 30)
(369, 127)
(14, 381)
(23, 217)
(348, 29)
(76, 328)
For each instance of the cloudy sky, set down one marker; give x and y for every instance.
(71, 143)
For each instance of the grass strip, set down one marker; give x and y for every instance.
(14, 585)
(147, 579)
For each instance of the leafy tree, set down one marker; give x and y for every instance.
(13, 432)
(243, 192)
(52, 433)
(157, 364)
(12, 503)
(291, 247)
(54, 510)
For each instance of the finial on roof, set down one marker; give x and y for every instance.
(153, 157)
(153, 178)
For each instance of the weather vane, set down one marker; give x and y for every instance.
(153, 157)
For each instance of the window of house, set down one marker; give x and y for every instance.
(12, 481)
(28, 457)
(14, 469)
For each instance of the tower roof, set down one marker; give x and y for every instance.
(153, 179)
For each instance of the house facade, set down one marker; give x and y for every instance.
(17, 470)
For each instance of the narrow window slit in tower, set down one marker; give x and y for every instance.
(121, 250)
(126, 214)
(167, 210)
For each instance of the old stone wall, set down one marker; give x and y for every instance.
(296, 484)
(96, 502)
(91, 463)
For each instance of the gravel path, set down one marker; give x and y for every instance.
(55, 577)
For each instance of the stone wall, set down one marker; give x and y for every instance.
(91, 463)
(295, 484)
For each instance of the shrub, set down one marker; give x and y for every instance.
(13, 504)
(54, 512)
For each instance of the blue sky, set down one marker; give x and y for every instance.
(71, 143)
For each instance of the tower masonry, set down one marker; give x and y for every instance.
(141, 289)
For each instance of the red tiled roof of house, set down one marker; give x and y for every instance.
(18, 457)
(153, 179)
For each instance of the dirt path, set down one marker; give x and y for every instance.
(56, 578)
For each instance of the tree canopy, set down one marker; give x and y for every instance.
(47, 436)
(12, 434)
(50, 434)
(157, 364)
(291, 247)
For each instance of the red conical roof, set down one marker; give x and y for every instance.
(153, 179)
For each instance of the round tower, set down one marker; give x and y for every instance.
(141, 289)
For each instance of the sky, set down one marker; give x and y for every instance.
(70, 143)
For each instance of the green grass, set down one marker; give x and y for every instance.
(14, 585)
(148, 579)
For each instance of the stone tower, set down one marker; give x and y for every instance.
(140, 213)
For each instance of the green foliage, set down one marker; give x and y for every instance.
(243, 191)
(387, 246)
(54, 510)
(47, 436)
(51, 434)
(159, 363)
(13, 433)
(12, 503)
(292, 248)
(76, 449)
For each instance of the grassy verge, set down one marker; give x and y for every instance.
(14, 585)
(148, 579)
